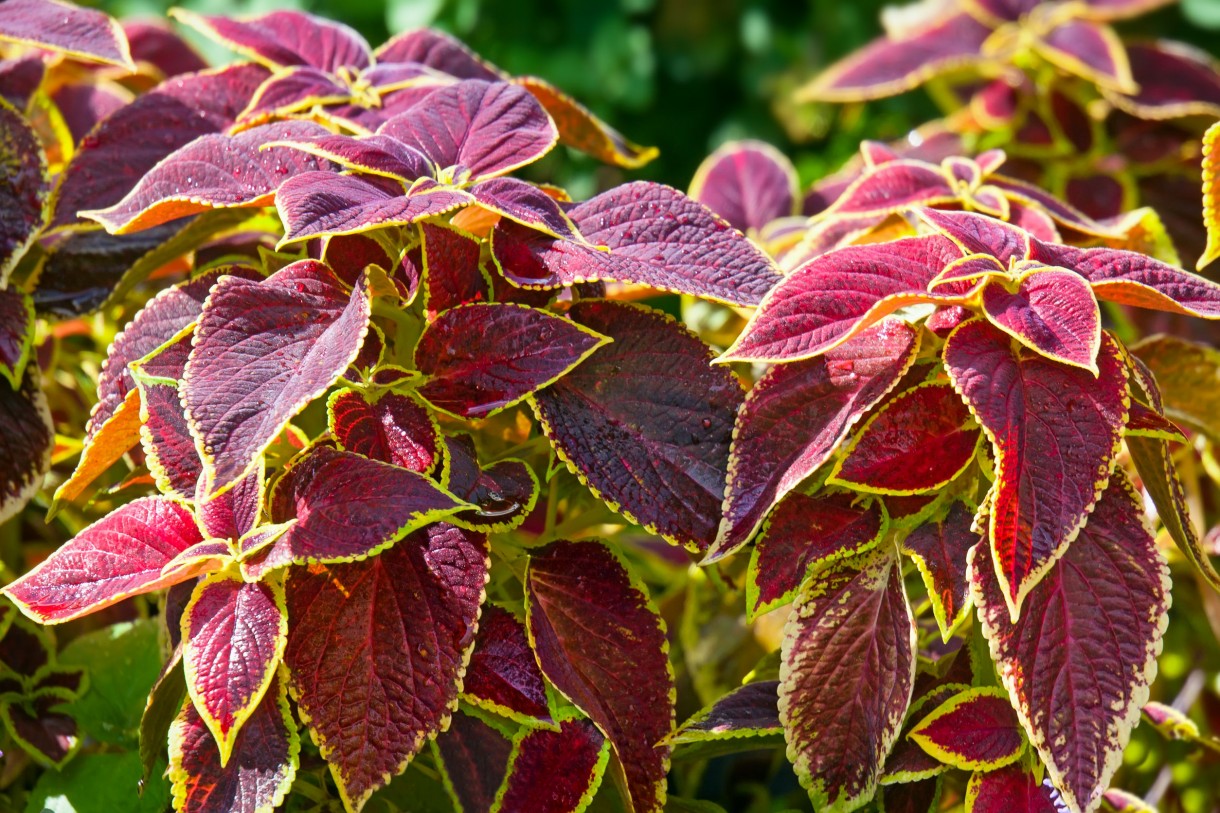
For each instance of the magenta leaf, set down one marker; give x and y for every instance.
(384, 641)
(214, 171)
(118, 556)
(1079, 660)
(234, 513)
(979, 234)
(939, 550)
(24, 188)
(482, 358)
(1090, 50)
(233, 636)
(260, 768)
(572, 587)
(847, 671)
(1011, 790)
(262, 352)
(503, 675)
(393, 428)
(918, 441)
(797, 415)
(154, 44)
(748, 183)
(524, 203)
(348, 507)
(437, 50)
(1051, 311)
(836, 296)
(686, 249)
(556, 771)
(371, 155)
(476, 129)
(894, 186)
(83, 33)
(803, 534)
(646, 421)
(1174, 80)
(285, 38)
(1056, 432)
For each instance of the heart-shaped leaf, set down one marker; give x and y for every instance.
(1052, 312)
(748, 183)
(393, 429)
(384, 641)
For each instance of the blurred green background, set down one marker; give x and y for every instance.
(684, 75)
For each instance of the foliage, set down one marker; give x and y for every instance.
(403, 487)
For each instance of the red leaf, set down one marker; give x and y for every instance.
(1011, 790)
(1079, 660)
(1052, 312)
(214, 171)
(748, 183)
(556, 771)
(83, 33)
(503, 494)
(837, 296)
(797, 415)
(1056, 431)
(377, 650)
(646, 421)
(917, 442)
(979, 234)
(1089, 50)
(233, 635)
(939, 550)
(804, 533)
(263, 351)
(474, 761)
(394, 429)
(503, 676)
(483, 358)
(846, 675)
(657, 237)
(452, 275)
(575, 587)
(260, 769)
(118, 556)
(1174, 81)
(975, 729)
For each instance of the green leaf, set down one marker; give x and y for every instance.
(99, 783)
(123, 661)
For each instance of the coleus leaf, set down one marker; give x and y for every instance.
(82, 33)
(751, 710)
(348, 507)
(154, 45)
(234, 513)
(259, 771)
(922, 796)
(1050, 311)
(393, 428)
(370, 155)
(292, 90)
(797, 415)
(657, 237)
(262, 351)
(803, 534)
(1056, 431)
(939, 550)
(979, 234)
(438, 50)
(976, 729)
(572, 587)
(384, 642)
(118, 556)
(907, 762)
(20, 78)
(1079, 660)
(42, 727)
(16, 335)
(452, 275)
(476, 129)
(130, 142)
(1174, 80)
(748, 183)
(847, 671)
(482, 358)
(646, 421)
(165, 435)
(214, 171)
(1010, 790)
(503, 675)
(317, 204)
(895, 64)
(524, 203)
(1185, 373)
(502, 495)
(1090, 50)
(473, 758)
(838, 295)
(283, 38)
(233, 636)
(581, 130)
(24, 189)
(917, 442)
(556, 771)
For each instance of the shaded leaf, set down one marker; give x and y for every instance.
(474, 761)
(503, 675)
(976, 730)
(556, 771)
(939, 550)
(24, 188)
(751, 710)
(1010, 790)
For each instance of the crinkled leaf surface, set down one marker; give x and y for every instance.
(233, 635)
(556, 771)
(503, 674)
(378, 648)
(976, 729)
(24, 187)
(1056, 432)
(393, 428)
(748, 183)
(1052, 312)
(1011, 790)
(482, 358)
(573, 588)
(1079, 660)
(657, 237)
(118, 556)
(646, 421)
(846, 676)
(263, 350)
(798, 414)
